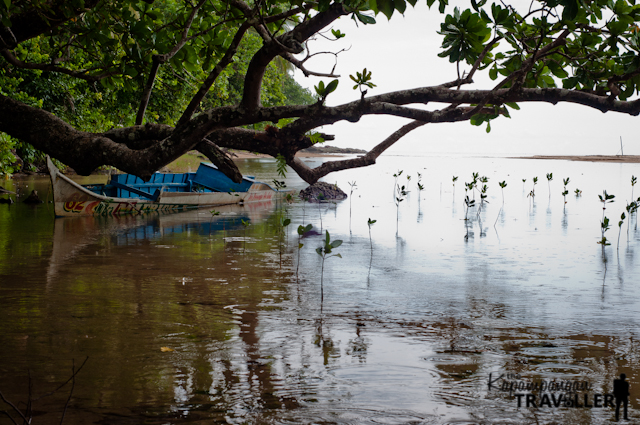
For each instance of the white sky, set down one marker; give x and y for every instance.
(402, 54)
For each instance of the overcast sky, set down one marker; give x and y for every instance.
(402, 54)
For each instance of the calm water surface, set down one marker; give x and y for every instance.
(196, 318)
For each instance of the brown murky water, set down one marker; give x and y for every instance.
(195, 318)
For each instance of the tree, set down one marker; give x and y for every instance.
(584, 53)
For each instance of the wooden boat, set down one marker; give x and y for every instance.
(164, 192)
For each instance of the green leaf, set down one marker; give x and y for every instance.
(365, 19)
(387, 7)
(336, 243)
(513, 105)
(331, 87)
(319, 251)
(7, 3)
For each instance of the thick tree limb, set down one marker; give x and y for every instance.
(220, 160)
(31, 22)
(290, 42)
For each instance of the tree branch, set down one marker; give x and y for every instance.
(157, 60)
(82, 74)
(312, 175)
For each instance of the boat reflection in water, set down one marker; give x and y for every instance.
(72, 235)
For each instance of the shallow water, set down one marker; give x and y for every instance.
(192, 317)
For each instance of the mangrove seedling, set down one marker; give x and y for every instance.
(605, 198)
(631, 209)
(634, 180)
(284, 222)
(622, 217)
(502, 184)
(604, 226)
(533, 189)
(549, 178)
(245, 224)
(401, 193)
(353, 187)
(320, 197)
(395, 182)
(302, 230)
(578, 192)
(565, 192)
(371, 223)
(469, 203)
(213, 214)
(325, 251)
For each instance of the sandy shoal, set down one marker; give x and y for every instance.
(632, 159)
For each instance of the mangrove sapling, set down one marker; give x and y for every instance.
(622, 217)
(324, 252)
(245, 224)
(284, 222)
(533, 189)
(578, 192)
(353, 187)
(634, 180)
(401, 193)
(605, 198)
(302, 230)
(483, 198)
(523, 182)
(213, 214)
(549, 178)
(502, 184)
(395, 182)
(320, 198)
(631, 209)
(565, 192)
(420, 189)
(371, 223)
(469, 203)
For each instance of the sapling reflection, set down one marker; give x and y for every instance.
(324, 252)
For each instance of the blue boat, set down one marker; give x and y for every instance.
(126, 193)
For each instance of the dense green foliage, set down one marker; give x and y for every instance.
(213, 74)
